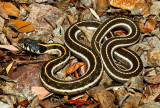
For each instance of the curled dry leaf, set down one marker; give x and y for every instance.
(9, 47)
(3, 39)
(94, 14)
(151, 104)
(120, 93)
(153, 42)
(86, 3)
(11, 9)
(34, 103)
(63, 4)
(23, 14)
(156, 32)
(12, 35)
(101, 6)
(133, 101)
(78, 102)
(95, 105)
(152, 79)
(1, 24)
(106, 98)
(124, 4)
(37, 16)
(47, 103)
(4, 105)
(136, 6)
(71, 18)
(150, 93)
(25, 7)
(8, 100)
(153, 57)
(135, 83)
(74, 67)
(2, 11)
(149, 25)
(155, 7)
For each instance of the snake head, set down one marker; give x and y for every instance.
(31, 45)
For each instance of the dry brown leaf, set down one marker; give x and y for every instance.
(144, 7)
(10, 9)
(105, 97)
(23, 26)
(2, 21)
(101, 6)
(78, 102)
(20, 23)
(153, 79)
(71, 19)
(40, 91)
(153, 57)
(120, 93)
(86, 3)
(28, 28)
(124, 4)
(135, 83)
(133, 101)
(149, 25)
(141, 5)
(2, 11)
(12, 35)
(151, 92)
(92, 105)
(155, 8)
(25, 7)
(3, 39)
(8, 100)
(74, 67)
(9, 47)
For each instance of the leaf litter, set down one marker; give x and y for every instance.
(47, 21)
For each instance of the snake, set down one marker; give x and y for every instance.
(105, 48)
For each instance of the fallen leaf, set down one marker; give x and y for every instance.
(20, 23)
(25, 7)
(95, 14)
(23, 26)
(28, 28)
(78, 102)
(10, 9)
(149, 25)
(76, 74)
(153, 79)
(24, 103)
(9, 47)
(9, 67)
(124, 4)
(101, 6)
(2, 11)
(133, 101)
(92, 105)
(120, 32)
(40, 91)
(74, 67)
(105, 97)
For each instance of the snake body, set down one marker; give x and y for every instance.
(100, 54)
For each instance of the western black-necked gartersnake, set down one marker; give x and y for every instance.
(100, 54)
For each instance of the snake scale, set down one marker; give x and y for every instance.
(105, 48)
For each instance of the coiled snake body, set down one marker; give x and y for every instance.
(100, 54)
